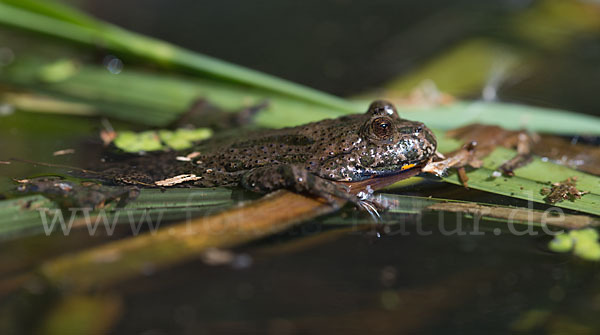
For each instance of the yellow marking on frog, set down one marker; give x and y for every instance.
(407, 166)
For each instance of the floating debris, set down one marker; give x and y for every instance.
(4, 162)
(564, 190)
(107, 136)
(188, 157)
(215, 256)
(63, 152)
(177, 180)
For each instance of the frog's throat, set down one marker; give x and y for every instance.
(399, 170)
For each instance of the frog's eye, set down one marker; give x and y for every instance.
(382, 127)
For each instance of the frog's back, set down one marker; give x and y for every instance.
(227, 159)
(350, 148)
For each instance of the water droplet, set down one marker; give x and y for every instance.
(113, 64)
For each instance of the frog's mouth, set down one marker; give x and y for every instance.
(397, 169)
(384, 179)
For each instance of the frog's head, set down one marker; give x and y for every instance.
(393, 144)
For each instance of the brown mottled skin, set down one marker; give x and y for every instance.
(306, 158)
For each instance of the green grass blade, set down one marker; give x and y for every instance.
(19, 217)
(506, 115)
(523, 188)
(94, 33)
(22, 216)
(53, 10)
(529, 181)
(157, 100)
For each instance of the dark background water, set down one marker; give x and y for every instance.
(347, 47)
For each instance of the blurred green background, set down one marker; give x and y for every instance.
(347, 47)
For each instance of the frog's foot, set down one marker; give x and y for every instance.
(370, 208)
(371, 204)
(465, 156)
(297, 179)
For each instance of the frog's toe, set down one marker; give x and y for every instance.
(371, 208)
(436, 169)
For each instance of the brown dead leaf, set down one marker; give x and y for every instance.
(564, 190)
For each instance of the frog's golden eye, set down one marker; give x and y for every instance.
(382, 127)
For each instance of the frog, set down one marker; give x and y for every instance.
(318, 158)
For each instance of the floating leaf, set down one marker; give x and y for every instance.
(584, 243)
(160, 140)
(183, 138)
(561, 243)
(135, 142)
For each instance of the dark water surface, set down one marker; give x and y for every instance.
(339, 281)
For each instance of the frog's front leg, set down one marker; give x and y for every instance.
(295, 178)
